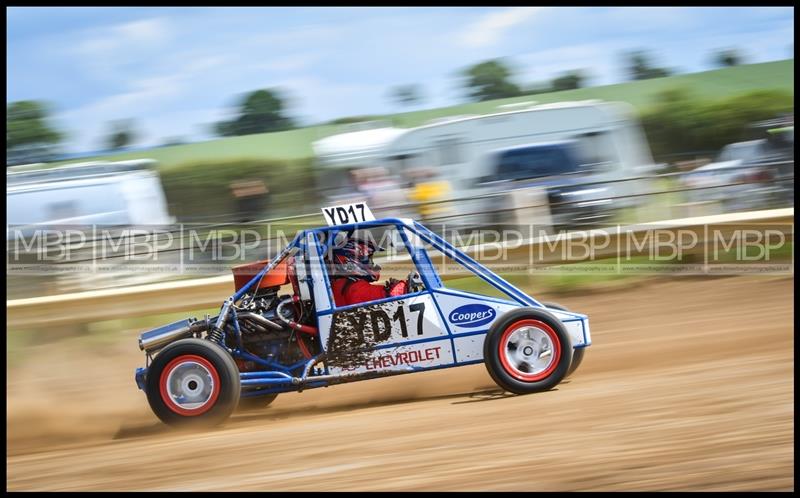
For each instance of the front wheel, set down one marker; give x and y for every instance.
(527, 350)
(577, 358)
(577, 354)
(193, 382)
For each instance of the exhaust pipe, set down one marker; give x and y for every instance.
(258, 319)
(154, 339)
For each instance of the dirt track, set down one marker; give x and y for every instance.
(688, 386)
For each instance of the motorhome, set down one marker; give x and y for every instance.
(119, 193)
(77, 197)
(463, 150)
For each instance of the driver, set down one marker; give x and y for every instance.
(352, 272)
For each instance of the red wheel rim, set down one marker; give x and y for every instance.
(528, 349)
(192, 379)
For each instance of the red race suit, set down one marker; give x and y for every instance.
(347, 292)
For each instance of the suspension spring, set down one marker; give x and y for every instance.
(216, 335)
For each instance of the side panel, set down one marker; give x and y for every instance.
(470, 317)
(420, 355)
(385, 335)
(577, 327)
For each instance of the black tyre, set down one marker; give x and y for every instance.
(250, 403)
(577, 354)
(193, 382)
(577, 358)
(556, 306)
(527, 350)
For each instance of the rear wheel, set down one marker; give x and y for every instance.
(193, 382)
(527, 350)
(577, 354)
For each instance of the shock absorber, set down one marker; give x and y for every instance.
(216, 333)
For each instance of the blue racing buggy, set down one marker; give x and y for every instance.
(265, 342)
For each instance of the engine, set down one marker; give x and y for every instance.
(272, 327)
(266, 323)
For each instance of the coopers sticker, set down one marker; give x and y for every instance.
(472, 315)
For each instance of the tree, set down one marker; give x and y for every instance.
(639, 66)
(571, 80)
(727, 58)
(489, 80)
(682, 123)
(29, 136)
(260, 111)
(407, 95)
(122, 135)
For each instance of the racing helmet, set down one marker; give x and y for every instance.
(354, 260)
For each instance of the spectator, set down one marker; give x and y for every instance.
(426, 189)
(250, 197)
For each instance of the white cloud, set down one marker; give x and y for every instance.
(491, 27)
(143, 31)
(109, 53)
(122, 38)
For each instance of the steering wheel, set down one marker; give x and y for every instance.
(414, 282)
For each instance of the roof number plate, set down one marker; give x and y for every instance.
(347, 213)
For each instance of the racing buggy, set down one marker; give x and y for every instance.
(282, 330)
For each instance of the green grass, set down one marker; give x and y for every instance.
(296, 144)
(556, 278)
(605, 273)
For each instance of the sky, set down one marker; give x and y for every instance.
(176, 71)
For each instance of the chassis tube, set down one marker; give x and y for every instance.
(157, 338)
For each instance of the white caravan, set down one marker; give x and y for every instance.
(460, 149)
(114, 195)
(464, 150)
(120, 193)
